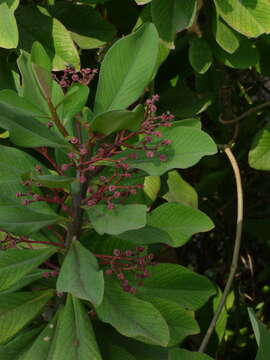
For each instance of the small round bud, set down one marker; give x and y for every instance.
(150, 154)
(74, 140)
(117, 252)
(109, 272)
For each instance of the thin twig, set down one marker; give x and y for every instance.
(238, 235)
(245, 114)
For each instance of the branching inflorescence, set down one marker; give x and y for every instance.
(109, 184)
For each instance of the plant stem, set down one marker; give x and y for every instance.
(56, 119)
(237, 243)
(245, 114)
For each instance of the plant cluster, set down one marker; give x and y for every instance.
(104, 253)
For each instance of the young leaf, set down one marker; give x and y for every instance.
(15, 263)
(182, 354)
(73, 102)
(80, 275)
(21, 220)
(179, 221)
(18, 309)
(200, 55)
(177, 284)
(259, 155)
(117, 220)
(225, 36)
(180, 191)
(126, 69)
(8, 26)
(250, 18)
(115, 120)
(262, 336)
(172, 16)
(132, 317)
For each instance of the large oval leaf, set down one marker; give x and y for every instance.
(18, 309)
(249, 17)
(8, 26)
(126, 69)
(132, 317)
(80, 275)
(117, 220)
(15, 263)
(259, 155)
(171, 16)
(177, 284)
(179, 221)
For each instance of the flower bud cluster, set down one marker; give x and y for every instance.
(124, 263)
(69, 76)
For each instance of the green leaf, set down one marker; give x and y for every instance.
(42, 66)
(259, 154)
(18, 309)
(8, 26)
(180, 191)
(225, 36)
(179, 221)
(146, 235)
(25, 130)
(188, 146)
(73, 102)
(249, 17)
(14, 348)
(177, 284)
(117, 220)
(200, 55)
(116, 120)
(40, 347)
(54, 37)
(80, 275)
(15, 263)
(151, 186)
(26, 280)
(180, 321)
(262, 336)
(88, 28)
(142, 2)
(119, 353)
(11, 98)
(182, 101)
(182, 354)
(132, 317)
(126, 70)
(245, 56)
(21, 220)
(53, 181)
(172, 16)
(74, 336)
(30, 89)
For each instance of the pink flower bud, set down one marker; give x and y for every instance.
(162, 157)
(74, 140)
(150, 154)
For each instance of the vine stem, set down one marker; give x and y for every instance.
(245, 114)
(236, 250)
